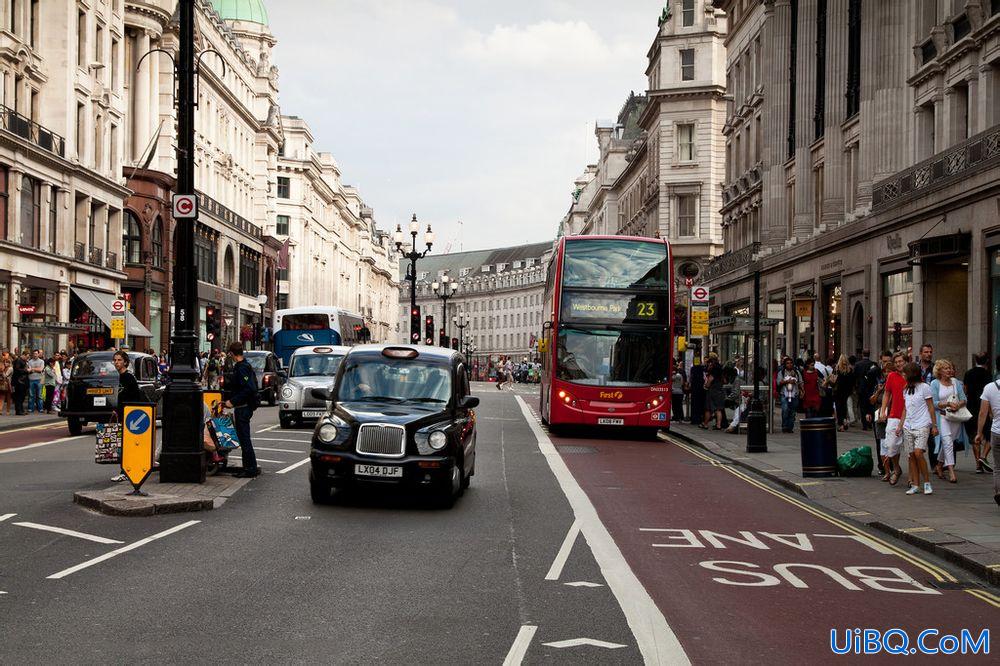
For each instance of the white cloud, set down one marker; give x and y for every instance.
(545, 44)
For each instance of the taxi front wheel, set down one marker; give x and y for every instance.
(319, 491)
(75, 425)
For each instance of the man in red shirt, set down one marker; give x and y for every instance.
(892, 406)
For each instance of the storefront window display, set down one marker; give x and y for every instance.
(832, 298)
(156, 321)
(897, 290)
(803, 328)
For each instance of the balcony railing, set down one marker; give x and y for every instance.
(730, 261)
(96, 256)
(27, 129)
(112, 261)
(973, 155)
(80, 252)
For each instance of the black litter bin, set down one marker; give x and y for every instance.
(819, 446)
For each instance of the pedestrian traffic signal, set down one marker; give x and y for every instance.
(442, 338)
(415, 324)
(429, 329)
(454, 343)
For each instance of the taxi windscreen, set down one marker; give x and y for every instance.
(394, 380)
(94, 367)
(315, 365)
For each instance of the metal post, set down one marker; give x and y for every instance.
(182, 459)
(756, 424)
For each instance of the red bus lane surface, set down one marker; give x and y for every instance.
(742, 574)
(38, 434)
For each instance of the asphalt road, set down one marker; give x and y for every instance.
(565, 549)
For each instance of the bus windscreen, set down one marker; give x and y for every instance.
(600, 357)
(614, 264)
(305, 322)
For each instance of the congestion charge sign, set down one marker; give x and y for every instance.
(185, 206)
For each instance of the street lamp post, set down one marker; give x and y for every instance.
(182, 459)
(411, 271)
(445, 290)
(756, 424)
(461, 320)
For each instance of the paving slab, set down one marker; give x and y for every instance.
(959, 522)
(161, 498)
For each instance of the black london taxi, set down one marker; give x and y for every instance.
(400, 415)
(92, 391)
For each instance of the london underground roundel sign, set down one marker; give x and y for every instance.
(699, 294)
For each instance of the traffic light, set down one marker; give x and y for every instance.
(442, 338)
(454, 343)
(415, 324)
(429, 329)
(213, 326)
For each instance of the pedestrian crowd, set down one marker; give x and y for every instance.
(30, 383)
(918, 410)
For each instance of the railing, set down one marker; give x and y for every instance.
(27, 129)
(80, 252)
(955, 164)
(730, 261)
(96, 256)
(112, 261)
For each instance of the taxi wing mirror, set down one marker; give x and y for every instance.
(283, 373)
(469, 402)
(322, 394)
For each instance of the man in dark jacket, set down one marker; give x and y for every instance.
(864, 393)
(19, 381)
(975, 380)
(241, 395)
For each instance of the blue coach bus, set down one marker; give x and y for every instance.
(315, 325)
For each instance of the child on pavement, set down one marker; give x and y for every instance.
(918, 423)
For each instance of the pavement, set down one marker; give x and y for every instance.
(959, 522)
(26, 420)
(160, 498)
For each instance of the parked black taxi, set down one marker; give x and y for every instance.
(400, 416)
(92, 391)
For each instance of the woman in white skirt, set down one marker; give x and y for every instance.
(948, 395)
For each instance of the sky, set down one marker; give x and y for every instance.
(475, 115)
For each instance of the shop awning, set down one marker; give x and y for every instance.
(55, 327)
(100, 303)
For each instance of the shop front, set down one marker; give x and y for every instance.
(35, 308)
(92, 310)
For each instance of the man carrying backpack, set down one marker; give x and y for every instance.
(242, 396)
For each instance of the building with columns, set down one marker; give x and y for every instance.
(61, 141)
(337, 256)
(661, 162)
(872, 210)
(499, 291)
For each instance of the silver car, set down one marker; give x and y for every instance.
(309, 368)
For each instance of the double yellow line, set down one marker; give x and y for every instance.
(937, 572)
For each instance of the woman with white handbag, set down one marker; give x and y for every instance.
(949, 399)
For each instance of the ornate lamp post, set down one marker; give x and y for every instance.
(445, 290)
(461, 320)
(411, 270)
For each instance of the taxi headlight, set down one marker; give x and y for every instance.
(287, 392)
(438, 440)
(327, 433)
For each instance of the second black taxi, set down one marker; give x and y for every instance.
(400, 416)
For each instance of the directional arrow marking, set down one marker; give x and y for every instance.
(583, 583)
(575, 642)
(72, 533)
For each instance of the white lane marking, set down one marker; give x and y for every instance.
(655, 639)
(583, 583)
(65, 532)
(264, 448)
(123, 549)
(284, 439)
(278, 462)
(35, 446)
(5, 516)
(520, 647)
(270, 427)
(575, 642)
(291, 467)
(564, 550)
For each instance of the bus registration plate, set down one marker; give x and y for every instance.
(607, 421)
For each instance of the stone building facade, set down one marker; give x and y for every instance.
(61, 134)
(870, 201)
(661, 163)
(337, 255)
(499, 291)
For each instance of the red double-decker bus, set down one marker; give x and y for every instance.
(607, 338)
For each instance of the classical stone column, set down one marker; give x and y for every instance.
(988, 102)
(141, 100)
(15, 300)
(14, 177)
(153, 105)
(835, 173)
(62, 304)
(941, 138)
(805, 106)
(48, 198)
(776, 32)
